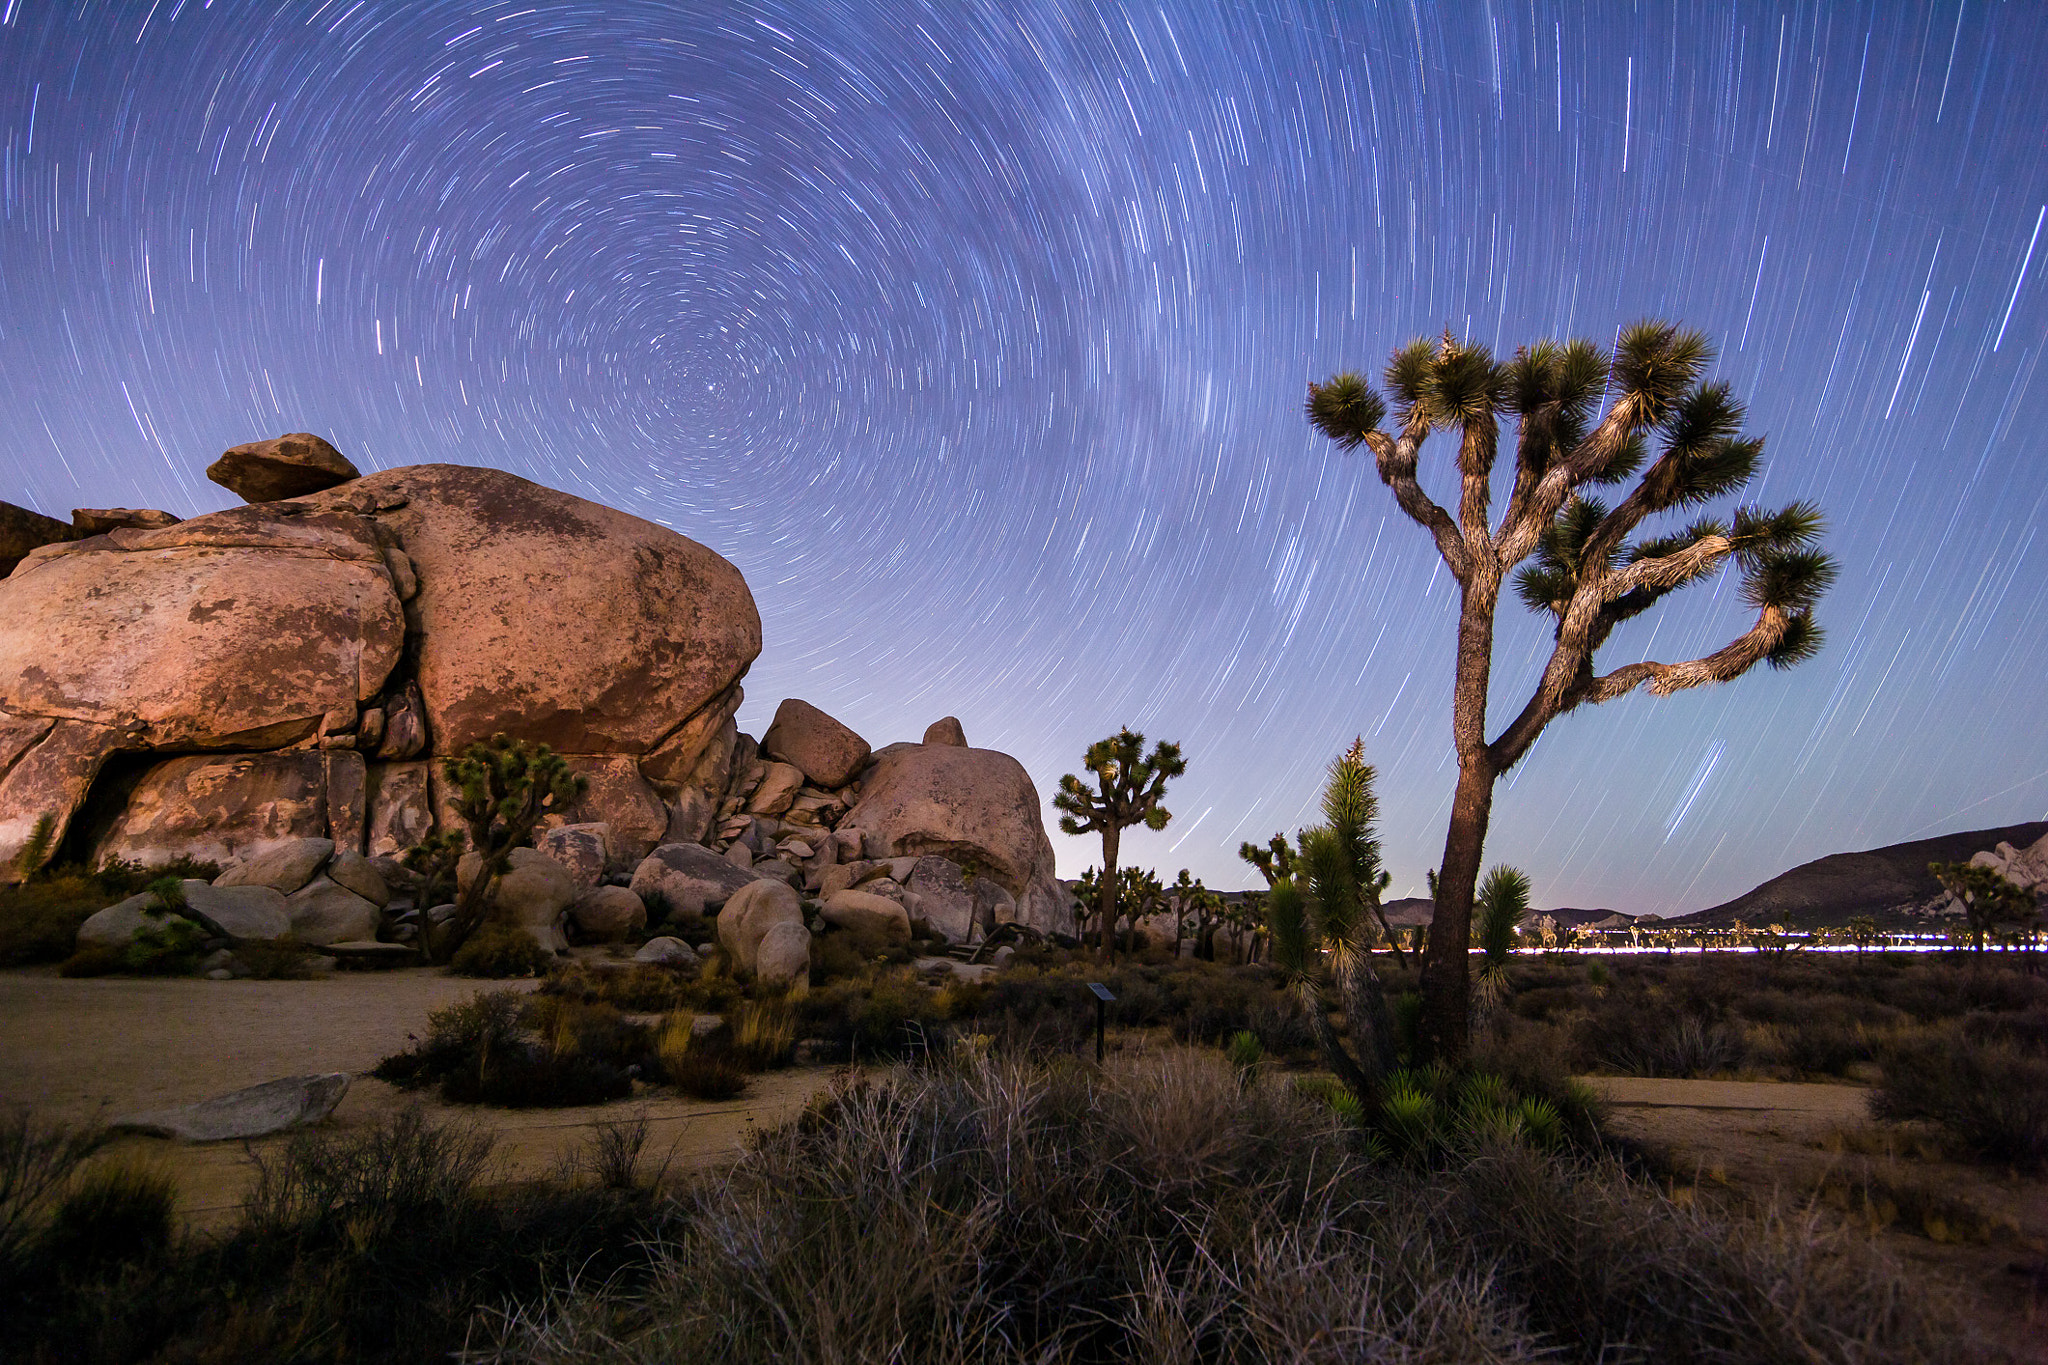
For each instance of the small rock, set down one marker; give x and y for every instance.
(285, 866)
(220, 974)
(323, 911)
(946, 731)
(608, 913)
(689, 879)
(838, 877)
(582, 850)
(352, 870)
(97, 521)
(372, 955)
(1000, 958)
(739, 855)
(798, 848)
(748, 916)
(829, 753)
(784, 955)
(780, 784)
(668, 952)
(256, 1111)
(861, 910)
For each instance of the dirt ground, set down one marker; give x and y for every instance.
(1983, 1232)
(92, 1050)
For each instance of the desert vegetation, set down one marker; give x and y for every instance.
(1178, 1204)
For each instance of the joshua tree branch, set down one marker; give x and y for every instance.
(1396, 463)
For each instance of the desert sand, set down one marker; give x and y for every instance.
(85, 1051)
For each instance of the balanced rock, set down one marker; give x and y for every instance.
(750, 914)
(972, 806)
(784, 955)
(285, 866)
(608, 913)
(282, 467)
(97, 521)
(689, 879)
(946, 731)
(323, 911)
(862, 910)
(828, 753)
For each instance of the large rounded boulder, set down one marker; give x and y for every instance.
(252, 629)
(558, 620)
(977, 808)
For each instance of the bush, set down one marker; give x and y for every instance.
(763, 1034)
(519, 1052)
(999, 1211)
(1991, 1097)
(892, 1014)
(496, 951)
(702, 1068)
(644, 987)
(118, 1211)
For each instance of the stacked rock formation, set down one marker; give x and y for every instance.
(251, 683)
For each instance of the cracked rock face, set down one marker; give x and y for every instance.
(348, 640)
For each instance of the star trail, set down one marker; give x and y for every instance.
(977, 334)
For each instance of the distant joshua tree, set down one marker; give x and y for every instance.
(1587, 573)
(1987, 898)
(1129, 786)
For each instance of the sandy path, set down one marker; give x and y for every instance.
(92, 1050)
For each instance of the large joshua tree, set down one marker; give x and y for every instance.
(1129, 784)
(1587, 567)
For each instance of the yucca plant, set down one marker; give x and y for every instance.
(1331, 924)
(1590, 571)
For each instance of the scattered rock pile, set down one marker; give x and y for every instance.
(272, 688)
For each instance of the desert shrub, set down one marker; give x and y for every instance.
(496, 951)
(39, 919)
(1990, 1096)
(763, 1033)
(645, 988)
(702, 1067)
(519, 1052)
(1002, 1211)
(276, 961)
(850, 954)
(117, 1211)
(892, 1014)
(384, 1245)
(37, 1162)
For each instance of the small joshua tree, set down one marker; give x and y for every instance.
(1332, 917)
(1129, 784)
(42, 842)
(1140, 895)
(1987, 898)
(1190, 897)
(505, 786)
(1581, 563)
(1275, 861)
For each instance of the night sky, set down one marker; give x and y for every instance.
(977, 334)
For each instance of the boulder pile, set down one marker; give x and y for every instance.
(273, 687)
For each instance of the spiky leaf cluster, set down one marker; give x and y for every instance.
(1275, 861)
(506, 785)
(1129, 785)
(1503, 901)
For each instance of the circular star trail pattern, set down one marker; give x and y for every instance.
(976, 334)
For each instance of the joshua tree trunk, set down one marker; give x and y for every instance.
(1108, 900)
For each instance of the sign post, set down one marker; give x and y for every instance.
(1102, 999)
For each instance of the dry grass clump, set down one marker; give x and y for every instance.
(1174, 1208)
(1989, 1094)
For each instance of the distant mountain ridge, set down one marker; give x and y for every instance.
(1889, 883)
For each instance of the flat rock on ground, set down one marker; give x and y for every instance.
(255, 1111)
